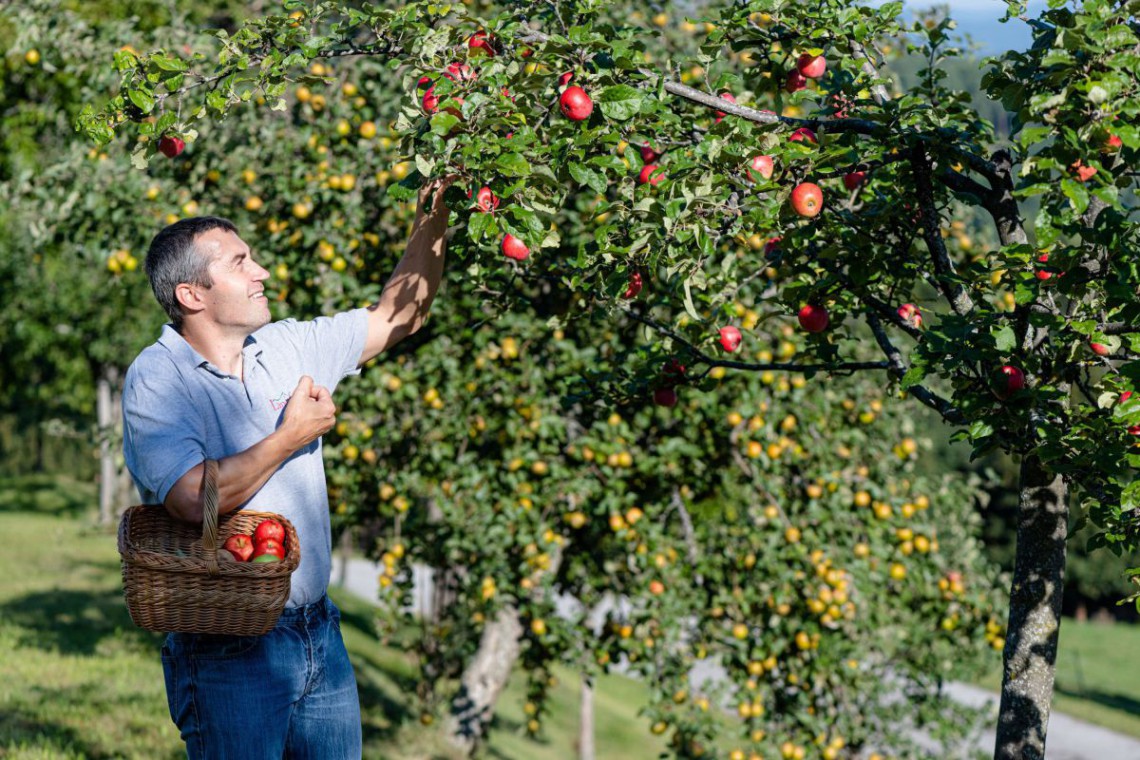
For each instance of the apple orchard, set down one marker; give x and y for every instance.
(699, 286)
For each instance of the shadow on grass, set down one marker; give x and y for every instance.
(21, 726)
(45, 494)
(1120, 702)
(31, 732)
(72, 621)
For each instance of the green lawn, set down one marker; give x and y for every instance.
(78, 680)
(1098, 675)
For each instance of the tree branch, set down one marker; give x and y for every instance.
(955, 292)
(948, 411)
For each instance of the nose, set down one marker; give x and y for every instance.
(260, 273)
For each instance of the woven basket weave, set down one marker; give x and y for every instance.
(173, 580)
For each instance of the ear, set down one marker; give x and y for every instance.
(189, 297)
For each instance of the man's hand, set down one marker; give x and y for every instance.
(309, 414)
(433, 192)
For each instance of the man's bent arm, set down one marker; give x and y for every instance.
(407, 297)
(239, 477)
(309, 414)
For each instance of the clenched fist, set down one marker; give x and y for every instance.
(309, 414)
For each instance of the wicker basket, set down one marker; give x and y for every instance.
(173, 580)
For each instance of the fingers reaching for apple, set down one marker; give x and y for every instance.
(431, 196)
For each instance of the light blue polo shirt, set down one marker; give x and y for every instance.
(179, 410)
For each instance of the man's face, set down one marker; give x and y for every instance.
(237, 297)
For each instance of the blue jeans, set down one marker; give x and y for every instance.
(288, 694)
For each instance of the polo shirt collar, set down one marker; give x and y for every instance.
(173, 341)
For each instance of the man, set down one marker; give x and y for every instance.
(224, 383)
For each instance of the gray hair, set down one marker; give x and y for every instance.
(174, 259)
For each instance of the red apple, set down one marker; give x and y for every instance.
(171, 146)
(1134, 429)
(1112, 144)
(269, 546)
(650, 173)
(424, 83)
(575, 104)
(814, 318)
(269, 529)
(240, 545)
(564, 78)
(910, 314)
(665, 397)
(431, 100)
(460, 72)
(731, 99)
(795, 81)
(1100, 349)
(803, 134)
(672, 371)
(811, 66)
(763, 165)
(1010, 380)
(1084, 173)
(730, 338)
(648, 155)
(854, 180)
(485, 200)
(513, 248)
(480, 44)
(1124, 397)
(635, 285)
(1045, 273)
(807, 199)
(772, 247)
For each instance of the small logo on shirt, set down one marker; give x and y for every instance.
(279, 402)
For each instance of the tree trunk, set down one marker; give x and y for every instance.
(586, 721)
(105, 417)
(1034, 614)
(483, 680)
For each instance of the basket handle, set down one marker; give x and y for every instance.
(210, 517)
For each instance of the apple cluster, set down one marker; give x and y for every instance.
(267, 544)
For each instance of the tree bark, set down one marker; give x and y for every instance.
(1030, 654)
(105, 418)
(484, 680)
(586, 720)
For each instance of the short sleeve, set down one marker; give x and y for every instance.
(163, 438)
(329, 347)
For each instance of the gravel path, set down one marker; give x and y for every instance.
(1069, 738)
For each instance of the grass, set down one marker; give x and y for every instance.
(1098, 674)
(78, 681)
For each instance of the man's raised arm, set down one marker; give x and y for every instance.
(406, 299)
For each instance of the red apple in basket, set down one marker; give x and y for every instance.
(240, 545)
(269, 529)
(269, 546)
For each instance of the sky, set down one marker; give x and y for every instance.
(979, 19)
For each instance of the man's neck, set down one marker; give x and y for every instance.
(219, 348)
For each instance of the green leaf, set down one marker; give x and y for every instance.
(1077, 194)
(1004, 338)
(443, 122)
(512, 165)
(689, 307)
(620, 102)
(143, 99)
(585, 176)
